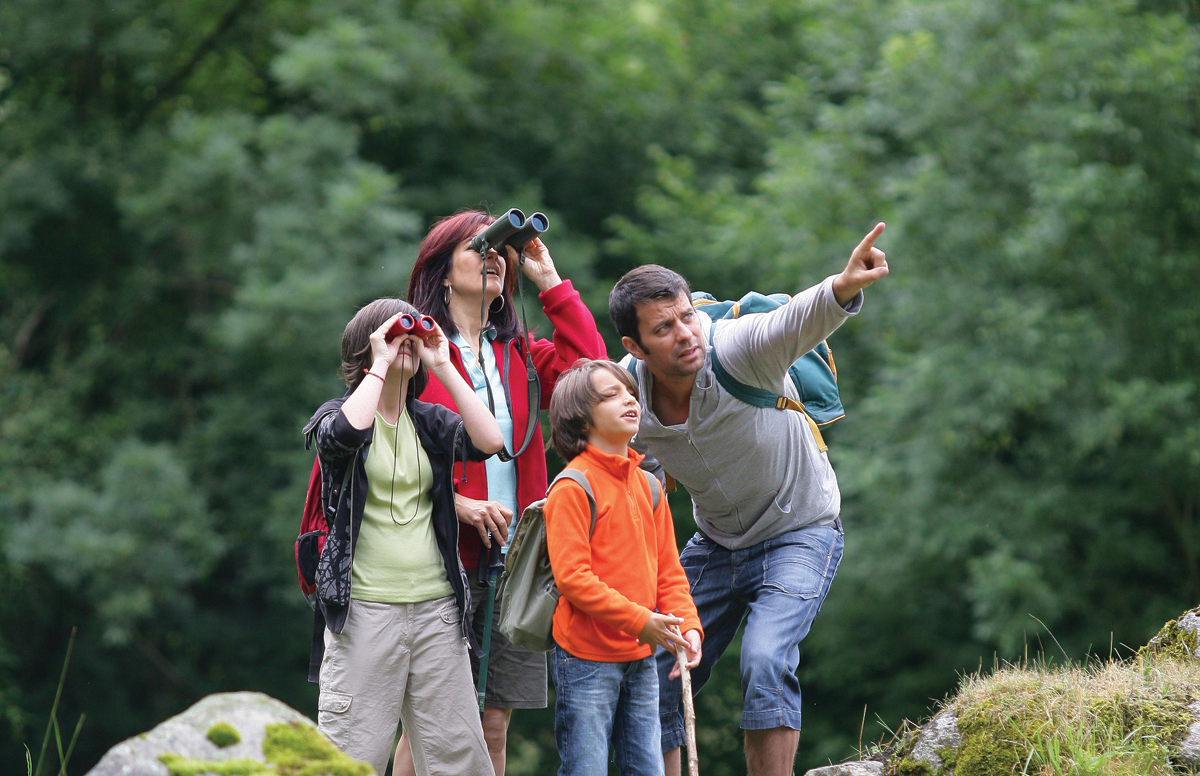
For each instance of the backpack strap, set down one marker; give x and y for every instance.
(631, 364)
(759, 397)
(655, 490)
(580, 479)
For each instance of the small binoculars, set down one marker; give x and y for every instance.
(411, 324)
(512, 228)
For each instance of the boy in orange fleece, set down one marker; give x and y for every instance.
(623, 592)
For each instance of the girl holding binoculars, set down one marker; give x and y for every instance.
(452, 283)
(394, 591)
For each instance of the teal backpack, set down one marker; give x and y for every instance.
(814, 374)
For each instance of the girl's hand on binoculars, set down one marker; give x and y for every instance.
(538, 267)
(383, 351)
(436, 351)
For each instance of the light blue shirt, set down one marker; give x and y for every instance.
(501, 475)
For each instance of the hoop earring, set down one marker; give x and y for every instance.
(447, 294)
(493, 309)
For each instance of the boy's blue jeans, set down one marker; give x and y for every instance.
(598, 702)
(778, 586)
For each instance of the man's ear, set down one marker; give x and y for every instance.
(634, 349)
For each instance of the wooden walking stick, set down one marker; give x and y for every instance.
(689, 710)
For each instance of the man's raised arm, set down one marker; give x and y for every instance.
(758, 349)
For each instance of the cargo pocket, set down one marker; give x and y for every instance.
(451, 618)
(332, 717)
(334, 702)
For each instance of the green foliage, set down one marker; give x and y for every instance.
(130, 548)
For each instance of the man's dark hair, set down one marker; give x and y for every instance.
(356, 343)
(641, 285)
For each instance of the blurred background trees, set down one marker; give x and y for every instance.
(196, 195)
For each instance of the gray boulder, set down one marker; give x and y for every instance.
(856, 768)
(940, 733)
(1178, 640)
(1189, 748)
(1190, 621)
(187, 734)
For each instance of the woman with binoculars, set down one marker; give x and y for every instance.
(470, 296)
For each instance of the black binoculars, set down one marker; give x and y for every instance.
(411, 324)
(512, 228)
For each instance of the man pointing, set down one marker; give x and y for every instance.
(765, 498)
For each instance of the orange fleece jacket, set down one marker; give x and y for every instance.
(611, 583)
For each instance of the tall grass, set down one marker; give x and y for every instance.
(52, 725)
(1120, 718)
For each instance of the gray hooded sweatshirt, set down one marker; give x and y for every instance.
(753, 473)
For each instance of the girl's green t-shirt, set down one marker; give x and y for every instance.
(396, 558)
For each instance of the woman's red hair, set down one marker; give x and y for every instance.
(425, 290)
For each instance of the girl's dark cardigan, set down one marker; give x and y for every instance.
(339, 445)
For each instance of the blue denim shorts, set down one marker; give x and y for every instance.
(777, 586)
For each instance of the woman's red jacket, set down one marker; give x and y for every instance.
(574, 337)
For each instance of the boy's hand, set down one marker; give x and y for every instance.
(658, 632)
(692, 638)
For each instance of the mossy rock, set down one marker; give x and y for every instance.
(289, 749)
(900, 761)
(987, 751)
(909, 767)
(192, 736)
(931, 750)
(1177, 640)
(177, 765)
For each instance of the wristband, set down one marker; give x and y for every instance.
(369, 373)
